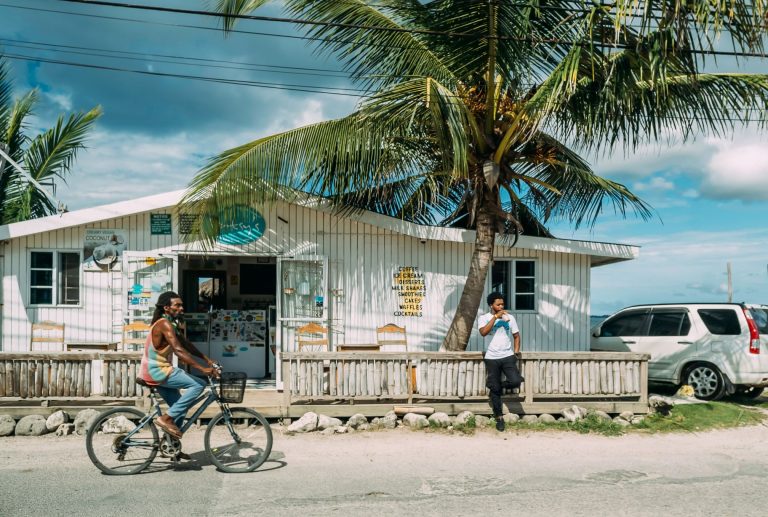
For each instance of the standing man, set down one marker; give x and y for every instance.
(500, 354)
(164, 340)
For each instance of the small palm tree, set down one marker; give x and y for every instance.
(45, 157)
(474, 112)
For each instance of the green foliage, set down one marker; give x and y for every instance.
(46, 157)
(701, 417)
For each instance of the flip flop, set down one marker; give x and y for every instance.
(170, 430)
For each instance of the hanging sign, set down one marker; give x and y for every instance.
(160, 224)
(408, 284)
(103, 249)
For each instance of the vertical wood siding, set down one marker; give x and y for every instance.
(362, 261)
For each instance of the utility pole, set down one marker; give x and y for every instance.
(730, 284)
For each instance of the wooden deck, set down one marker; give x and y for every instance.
(341, 384)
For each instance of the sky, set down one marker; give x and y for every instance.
(709, 195)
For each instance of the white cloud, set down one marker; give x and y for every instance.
(737, 170)
(62, 100)
(655, 184)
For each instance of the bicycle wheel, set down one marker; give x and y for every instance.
(240, 442)
(114, 448)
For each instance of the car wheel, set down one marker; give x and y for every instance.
(706, 380)
(750, 392)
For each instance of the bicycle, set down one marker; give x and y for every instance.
(236, 440)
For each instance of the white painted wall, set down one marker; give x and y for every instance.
(363, 258)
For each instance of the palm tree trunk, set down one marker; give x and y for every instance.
(463, 321)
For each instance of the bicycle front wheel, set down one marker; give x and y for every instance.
(239, 441)
(116, 447)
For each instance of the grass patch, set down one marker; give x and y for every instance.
(701, 417)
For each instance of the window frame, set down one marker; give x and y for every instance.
(509, 288)
(57, 273)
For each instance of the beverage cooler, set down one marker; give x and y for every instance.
(237, 340)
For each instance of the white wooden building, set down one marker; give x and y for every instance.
(352, 274)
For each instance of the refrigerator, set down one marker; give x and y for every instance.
(237, 340)
(198, 325)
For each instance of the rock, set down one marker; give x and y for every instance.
(328, 431)
(363, 427)
(324, 422)
(573, 414)
(561, 419)
(439, 419)
(54, 421)
(84, 419)
(65, 429)
(415, 421)
(482, 421)
(389, 421)
(356, 420)
(7, 425)
(511, 418)
(621, 421)
(376, 421)
(341, 429)
(546, 418)
(637, 419)
(463, 417)
(601, 415)
(685, 390)
(118, 425)
(530, 419)
(31, 425)
(627, 415)
(306, 424)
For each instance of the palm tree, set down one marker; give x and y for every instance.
(45, 157)
(475, 112)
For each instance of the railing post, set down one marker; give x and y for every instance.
(409, 377)
(644, 380)
(97, 366)
(529, 381)
(286, 371)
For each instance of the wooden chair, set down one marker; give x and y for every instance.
(392, 338)
(135, 335)
(312, 336)
(48, 332)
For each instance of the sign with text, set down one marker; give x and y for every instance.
(408, 284)
(103, 249)
(160, 224)
(187, 223)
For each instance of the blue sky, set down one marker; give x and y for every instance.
(710, 194)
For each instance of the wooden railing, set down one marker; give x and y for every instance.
(441, 375)
(69, 374)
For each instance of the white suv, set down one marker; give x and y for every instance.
(718, 348)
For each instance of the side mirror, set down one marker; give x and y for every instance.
(596, 332)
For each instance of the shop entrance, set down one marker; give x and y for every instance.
(229, 302)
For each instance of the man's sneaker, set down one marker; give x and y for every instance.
(500, 424)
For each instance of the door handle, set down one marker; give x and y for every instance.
(685, 342)
(629, 342)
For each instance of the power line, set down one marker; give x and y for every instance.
(547, 41)
(258, 84)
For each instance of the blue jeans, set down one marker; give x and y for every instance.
(179, 404)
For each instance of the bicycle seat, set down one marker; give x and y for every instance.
(142, 382)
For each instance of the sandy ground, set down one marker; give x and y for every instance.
(425, 473)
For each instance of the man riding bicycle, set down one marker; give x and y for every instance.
(163, 342)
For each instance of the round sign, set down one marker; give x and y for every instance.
(241, 225)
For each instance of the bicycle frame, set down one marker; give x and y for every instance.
(207, 398)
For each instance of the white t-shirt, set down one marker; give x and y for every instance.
(501, 335)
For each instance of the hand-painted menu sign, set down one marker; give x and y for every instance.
(408, 284)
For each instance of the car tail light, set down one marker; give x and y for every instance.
(754, 335)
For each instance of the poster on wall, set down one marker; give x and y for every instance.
(408, 284)
(103, 249)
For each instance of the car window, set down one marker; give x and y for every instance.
(722, 322)
(669, 324)
(624, 325)
(761, 319)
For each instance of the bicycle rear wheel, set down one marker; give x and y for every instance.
(114, 448)
(240, 442)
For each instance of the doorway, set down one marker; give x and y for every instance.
(204, 291)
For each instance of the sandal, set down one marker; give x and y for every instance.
(171, 428)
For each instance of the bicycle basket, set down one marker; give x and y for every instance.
(232, 386)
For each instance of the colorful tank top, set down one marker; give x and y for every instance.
(156, 366)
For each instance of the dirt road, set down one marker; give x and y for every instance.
(407, 473)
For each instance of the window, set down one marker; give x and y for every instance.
(630, 324)
(669, 324)
(516, 281)
(54, 278)
(721, 322)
